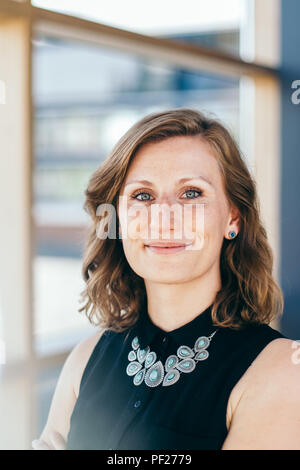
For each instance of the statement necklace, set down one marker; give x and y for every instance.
(154, 373)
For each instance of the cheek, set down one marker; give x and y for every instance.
(131, 252)
(130, 256)
(208, 226)
(213, 219)
(196, 218)
(134, 222)
(133, 244)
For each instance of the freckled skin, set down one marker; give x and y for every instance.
(163, 163)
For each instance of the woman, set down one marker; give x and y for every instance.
(184, 357)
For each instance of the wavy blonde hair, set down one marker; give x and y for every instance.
(114, 294)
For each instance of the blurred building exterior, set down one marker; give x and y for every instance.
(84, 98)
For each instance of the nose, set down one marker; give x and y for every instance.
(165, 217)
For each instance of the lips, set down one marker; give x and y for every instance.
(168, 248)
(167, 245)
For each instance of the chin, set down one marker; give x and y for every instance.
(167, 277)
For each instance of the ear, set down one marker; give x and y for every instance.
(234, 222)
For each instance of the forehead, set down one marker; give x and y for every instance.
(173, 156)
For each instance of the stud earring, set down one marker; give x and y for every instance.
(231, 234)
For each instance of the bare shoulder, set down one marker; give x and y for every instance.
(80, 355)
(276, 366)
(67, 387)
(267, 362)
(270, 384)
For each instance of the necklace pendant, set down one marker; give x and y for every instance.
(201, 343)
(135, 343)
(133, 367)
(187, 365)
(185, 351)
(171, 377)
(201, 355)
(139, 377)
(150, 359)
(142, 353)
(171, 362)
(132, 356)
(154, 375)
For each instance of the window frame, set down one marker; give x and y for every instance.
(260, 108)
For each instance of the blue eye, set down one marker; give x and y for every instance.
(135, 196)
(146, 199)
(192, 191)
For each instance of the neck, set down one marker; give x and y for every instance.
(171, 306)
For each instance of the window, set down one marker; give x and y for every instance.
(215, 24)
(89, 82)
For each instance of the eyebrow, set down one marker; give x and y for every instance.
(181, 180)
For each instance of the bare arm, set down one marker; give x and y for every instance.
(66, 392)
(267, 416)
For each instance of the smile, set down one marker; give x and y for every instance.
(166, 250)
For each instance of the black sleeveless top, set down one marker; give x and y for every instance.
(111, 412)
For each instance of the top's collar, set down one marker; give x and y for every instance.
(147, 331)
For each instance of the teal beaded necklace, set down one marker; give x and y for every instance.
(154, 373)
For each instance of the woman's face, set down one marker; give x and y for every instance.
(194, 213)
